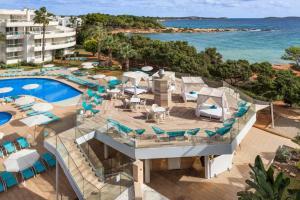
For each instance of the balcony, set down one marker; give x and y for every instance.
(55, 45)
(25, 23)
(14, 47)
(54, 34)
(15, 35)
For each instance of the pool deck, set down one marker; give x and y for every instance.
(176, 185)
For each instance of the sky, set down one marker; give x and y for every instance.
(178, 8)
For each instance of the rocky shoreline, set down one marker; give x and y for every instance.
(174, 30)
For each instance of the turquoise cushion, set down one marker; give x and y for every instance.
(213, 107)
(193, 92)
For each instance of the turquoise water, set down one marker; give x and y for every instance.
(4, 117)
(49, 90)
(260, 40)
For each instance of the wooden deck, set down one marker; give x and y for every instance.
(182, 185)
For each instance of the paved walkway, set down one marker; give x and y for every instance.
(174, 185)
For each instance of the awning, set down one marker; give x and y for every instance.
(21, 160)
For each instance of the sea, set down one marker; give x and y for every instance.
(258, 40)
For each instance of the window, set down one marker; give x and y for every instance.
(38, 42)
(13, 55)
(38, 54)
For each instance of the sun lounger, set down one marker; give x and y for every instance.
(55, 118)
(2, 187)
(95, 111)
(49, 159)
(121, 128)
(9, 147)
(39, 167)
(22, 142)
(27, 174)
(9, 179)
(193, 132)
(8, 99)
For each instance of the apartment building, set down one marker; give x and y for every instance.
(24, 38)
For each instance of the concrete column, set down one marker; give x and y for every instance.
(105, 151)
(147, 170)
(272, 115)
(207, 167)
(138, 176)
(57, 179)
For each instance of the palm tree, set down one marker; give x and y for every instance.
(127, 52)
(42, 16)
(99, 34)
(109, 44)
(263, 184)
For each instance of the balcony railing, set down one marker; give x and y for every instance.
(15, 45)
(14, 57)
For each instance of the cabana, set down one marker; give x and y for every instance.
(167, 74)
(216, 110)
(190, 87)
(132, 81)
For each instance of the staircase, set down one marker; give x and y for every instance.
(78, 162)
(79, 168)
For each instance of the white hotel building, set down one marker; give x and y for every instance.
(24, 38)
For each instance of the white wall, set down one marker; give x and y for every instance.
(220, 164)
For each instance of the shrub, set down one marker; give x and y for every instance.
(283, 154)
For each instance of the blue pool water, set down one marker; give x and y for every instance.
(4, 117)
(263, 40)
(48, 90)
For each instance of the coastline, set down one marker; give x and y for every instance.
(173, 30)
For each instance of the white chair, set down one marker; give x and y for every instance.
(167, 113)
(149, 113)
(126, 103)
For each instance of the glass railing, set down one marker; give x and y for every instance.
(86, 188)
(89, 153)
(113, 184)
(150, 139)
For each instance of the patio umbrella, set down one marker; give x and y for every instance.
(21, 160)
(99, 76)
(73, 69)
(5, 90)
(34, 121)
(88, 67)
(49, 65)
(24, 100)
(109, 78)
(30, 86)
(147, 68)
(42, 107)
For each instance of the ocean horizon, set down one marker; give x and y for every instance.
(260, 39)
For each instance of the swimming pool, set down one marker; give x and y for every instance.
(4, 118)
(48, 89)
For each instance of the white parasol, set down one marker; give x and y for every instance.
(109, 78)
(30, 86)
(21, 160)
(6, 89)
(99, 76)
(42, 107)
(147, 68)
(24, 100)
(73, 69)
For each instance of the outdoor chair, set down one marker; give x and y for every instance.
(9, 147)
(49, 159)
(223, 130)
(39, 167)
(210, 134)
(126, 103)
(94, 111)
(86, 106)
(22, 142)
(27, 174)
(2, 187)
(9, 179)
(229, 122)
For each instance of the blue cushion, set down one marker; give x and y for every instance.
(213, 107)
(27, 173)
(193, 92)
(39, 167)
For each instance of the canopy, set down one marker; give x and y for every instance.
(24, 100)
(42, 107)
(30, 86)
(190, 87)
(5, 89)
(134, 77)
(21, 160)
(35, 120)
(99, 76)
(218, 96)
